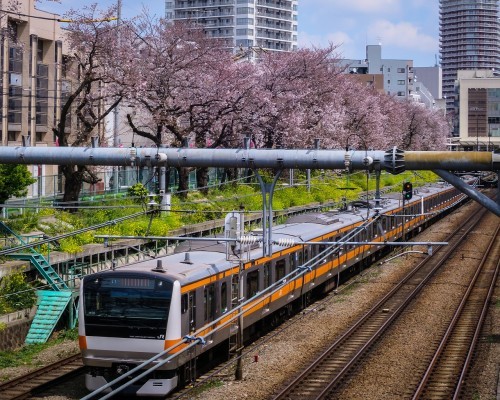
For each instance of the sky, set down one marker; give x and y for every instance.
(406, 29)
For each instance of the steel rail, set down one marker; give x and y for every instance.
(427, 380)
(23, 386)
(340, 373)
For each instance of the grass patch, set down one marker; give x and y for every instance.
(207, 386)
(28, 353)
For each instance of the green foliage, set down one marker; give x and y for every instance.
(16, 293)
(139, 193)
(14, 181)
(198, 207)
(70, 245)
(69, 334)
(24, 223)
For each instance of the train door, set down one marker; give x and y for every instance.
(223, 297)
(267, 275)
(292, 261)
(191, 310)
(280, 269)
(252, 284)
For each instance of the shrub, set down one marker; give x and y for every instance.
(16, 293)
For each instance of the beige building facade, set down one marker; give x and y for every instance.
(33, 80)
(478, 110)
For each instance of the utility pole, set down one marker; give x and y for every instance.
(117, 109)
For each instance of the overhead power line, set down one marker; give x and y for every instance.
(89, 21)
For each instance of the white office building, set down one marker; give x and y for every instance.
(398, 74)
(246, 24)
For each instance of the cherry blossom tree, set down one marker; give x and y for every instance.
(295, 88)
(188, 88)
(94, 87)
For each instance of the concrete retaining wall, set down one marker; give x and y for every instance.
(14, 328)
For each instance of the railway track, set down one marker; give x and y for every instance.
(332, 368)
(24, 386)
(448, 368)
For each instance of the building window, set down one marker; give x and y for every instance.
(401, 82)
(244, 10)
(244, 21)
(243, 32)
(401, 70)
(12, 136)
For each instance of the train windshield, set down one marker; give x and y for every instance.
(126, 305)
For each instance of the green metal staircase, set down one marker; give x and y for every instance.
(36, 259)
(51, 303)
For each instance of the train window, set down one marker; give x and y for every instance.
(209, 302)
(300, 258)
(280, 269)
(184, 303)
(268, 279)
(292, 260)
(321, 249)
(306, 254)
(252, 283)
(223, 297)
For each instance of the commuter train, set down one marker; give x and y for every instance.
(128, 315)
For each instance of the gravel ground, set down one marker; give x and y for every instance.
(406, 343)
(280, 357)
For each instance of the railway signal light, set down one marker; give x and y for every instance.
(407, 190)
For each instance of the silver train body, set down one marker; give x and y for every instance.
(130, 314)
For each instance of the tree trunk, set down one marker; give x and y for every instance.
(183, 181)
(202, 180)
(232, 175)
(73, 183)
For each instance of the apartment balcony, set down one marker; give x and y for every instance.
(275, 46)
(273, 35)
(278, 5)
(186, 4)
(265, 13)
(203, 14)
(263, 23)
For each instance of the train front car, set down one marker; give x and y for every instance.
(126, 318)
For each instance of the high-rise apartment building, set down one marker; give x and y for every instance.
(246, 24)
(469, 40)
